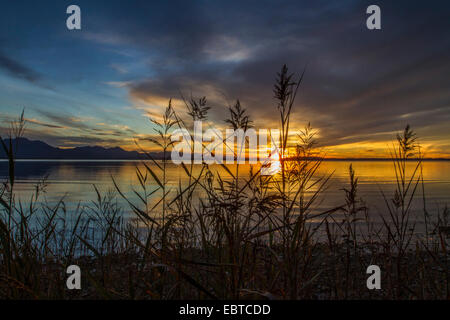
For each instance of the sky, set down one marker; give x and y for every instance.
(99, 85)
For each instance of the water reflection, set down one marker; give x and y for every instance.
(74, 180)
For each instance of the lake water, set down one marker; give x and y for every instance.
(74, 181)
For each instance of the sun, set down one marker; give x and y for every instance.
(273, 164)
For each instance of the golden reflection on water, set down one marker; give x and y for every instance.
(383, 171)
(75, 180)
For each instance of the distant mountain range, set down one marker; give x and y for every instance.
(35, 149)
(28, 149)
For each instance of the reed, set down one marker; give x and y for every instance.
(248, 237)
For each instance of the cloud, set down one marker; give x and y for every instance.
(65, 120)
(359, 85)
(120, 69)
(65, 127)
(44, 124)
(118, 84)
(18, 70)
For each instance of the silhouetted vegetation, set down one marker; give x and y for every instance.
(247, 237)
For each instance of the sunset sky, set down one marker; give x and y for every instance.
(98, 85)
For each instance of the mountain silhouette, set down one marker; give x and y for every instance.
(29, 149)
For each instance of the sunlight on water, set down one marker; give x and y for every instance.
(74, 180)
(275, 165)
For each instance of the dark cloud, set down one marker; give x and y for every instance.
(17, 69)
(85, 141)
(64, 120)
(44, 124)
(86, 131)
(358, 83)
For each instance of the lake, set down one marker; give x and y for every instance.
(74, 180)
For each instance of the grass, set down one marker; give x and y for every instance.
(249, 237)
